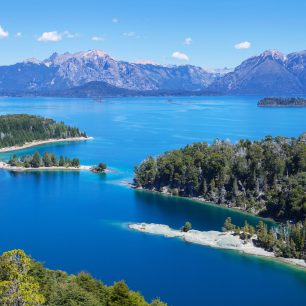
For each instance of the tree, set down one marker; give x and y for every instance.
(13, 160)
(228, 226)
(35, 162)
(75, 163)
(17, 287)
(46, 159)
(61, 162)
(187, 227)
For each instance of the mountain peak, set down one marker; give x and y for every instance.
(275, 54)
(32, 60)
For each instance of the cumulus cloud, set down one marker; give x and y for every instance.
(18, 34)
(97, 38)
(243, 45)
(3, 33)
(129, 34)
(55, 36)
(188, 41)
(180, 56)
(50, 36)
(115, 20)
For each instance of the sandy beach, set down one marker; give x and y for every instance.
(23, 169)
(215, 239)
(41, 142)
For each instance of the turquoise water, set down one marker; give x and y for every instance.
(77, 221)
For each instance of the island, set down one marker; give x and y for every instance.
(265, 177)
(24, 281)
(21, 131)
(282, 102)
(248, 240)
(48, 161)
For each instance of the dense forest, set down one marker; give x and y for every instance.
(16, 130)
(285, 240)
(282, 102)
(266, 177)
(25, 282)
(47, 160)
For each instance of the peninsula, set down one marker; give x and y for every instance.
(282, 102)
(23, 131)
(223, 240)
(266, 177)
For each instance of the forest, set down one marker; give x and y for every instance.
(25, 282)
(16, 130)
(265, 177)
(47, 160)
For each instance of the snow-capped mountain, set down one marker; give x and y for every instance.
(271, 72)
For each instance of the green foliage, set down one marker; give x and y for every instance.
(228, 226)
(187, 227)
(48, 160)
(16, 130)
(17, 287)
(100, 168)
(266, 177)
(284, 240)
(24, 282)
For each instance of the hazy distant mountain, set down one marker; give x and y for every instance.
(268, 73)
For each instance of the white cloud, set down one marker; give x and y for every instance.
(18, 34)
(50, 36)
(97, 38)
(56, 36)
(180, 56)
(243, 45)
(3, 33)
(115, 20)
(188, 41)
(129, 34)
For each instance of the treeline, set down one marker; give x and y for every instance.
(16, 130)
(284, 240)
(266, 177)
(26, 282)
(47, 160)
(289, 102)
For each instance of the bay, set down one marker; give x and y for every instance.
(77, 221)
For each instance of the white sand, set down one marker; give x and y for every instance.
(213, 239)
(22, 169)
(40, 142)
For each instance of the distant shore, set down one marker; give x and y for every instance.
(41, 142)
(215, 239)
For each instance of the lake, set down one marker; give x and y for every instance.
(78, 221)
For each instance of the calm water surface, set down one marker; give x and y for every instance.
(77, 221)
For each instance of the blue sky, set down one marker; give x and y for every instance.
(202, 33)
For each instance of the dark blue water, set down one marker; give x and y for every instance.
(77, 221)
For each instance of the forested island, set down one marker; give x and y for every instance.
(48, 161)
(24, 281)
(266, 177)
(22, 130)
(282, 102)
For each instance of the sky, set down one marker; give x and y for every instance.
(210, 34)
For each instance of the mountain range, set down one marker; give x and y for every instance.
(96, 74)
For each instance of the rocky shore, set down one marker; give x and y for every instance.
(222, 240)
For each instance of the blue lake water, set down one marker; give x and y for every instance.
(77, 221)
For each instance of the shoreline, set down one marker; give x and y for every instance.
(201, 200)
(7, 167)
(215, 239)
(41, 142)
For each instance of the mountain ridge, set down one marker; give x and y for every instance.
(271, 72)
